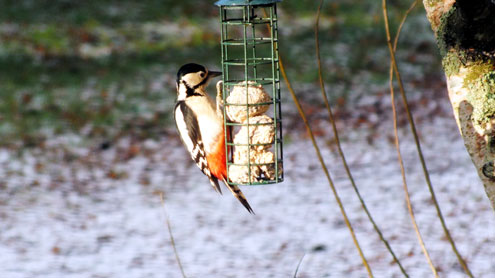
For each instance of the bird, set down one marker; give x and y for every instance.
(200, 126)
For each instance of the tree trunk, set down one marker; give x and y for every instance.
(465, 32)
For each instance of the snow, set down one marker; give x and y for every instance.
(72, 211)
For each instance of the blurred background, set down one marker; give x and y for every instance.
(88, 144)
(107, 69)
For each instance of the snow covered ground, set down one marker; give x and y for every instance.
(72, 211)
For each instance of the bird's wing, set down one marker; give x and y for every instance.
(188, 128)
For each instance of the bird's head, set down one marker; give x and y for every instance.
(192, 79)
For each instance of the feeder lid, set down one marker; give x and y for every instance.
(245, 2)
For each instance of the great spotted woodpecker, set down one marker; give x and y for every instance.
(200, 126)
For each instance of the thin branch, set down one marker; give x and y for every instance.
(299, 265)
(397, 146)
(322, 162)
(339, 147)
(324, 167)
(169, 227)
(418, 144)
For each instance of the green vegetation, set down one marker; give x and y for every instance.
(104, 69)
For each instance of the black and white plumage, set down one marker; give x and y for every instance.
(186, 122)
(200, 126)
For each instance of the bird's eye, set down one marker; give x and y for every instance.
(202, 74)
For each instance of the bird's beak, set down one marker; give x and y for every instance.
(212, 74)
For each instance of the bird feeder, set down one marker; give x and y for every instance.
(251, 91)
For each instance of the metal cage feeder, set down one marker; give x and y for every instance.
(251, 91)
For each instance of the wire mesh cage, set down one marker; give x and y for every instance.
(251, 91)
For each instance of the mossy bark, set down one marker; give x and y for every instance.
(465, 32)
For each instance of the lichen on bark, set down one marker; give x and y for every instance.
(435, 9)
(444, 29)
(465, 33)
(482, 95)
(451, 63)
(478, 80)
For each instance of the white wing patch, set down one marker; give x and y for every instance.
(191, 136)
(183, 131)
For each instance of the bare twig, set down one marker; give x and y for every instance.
(321, 160)
(418, 144)
(339, 147)
(397, 146)
(299, 265)
(169, 227)
(322, 163)
(325, 169)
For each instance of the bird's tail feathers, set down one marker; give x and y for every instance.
(216, 186)
(239, 195)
